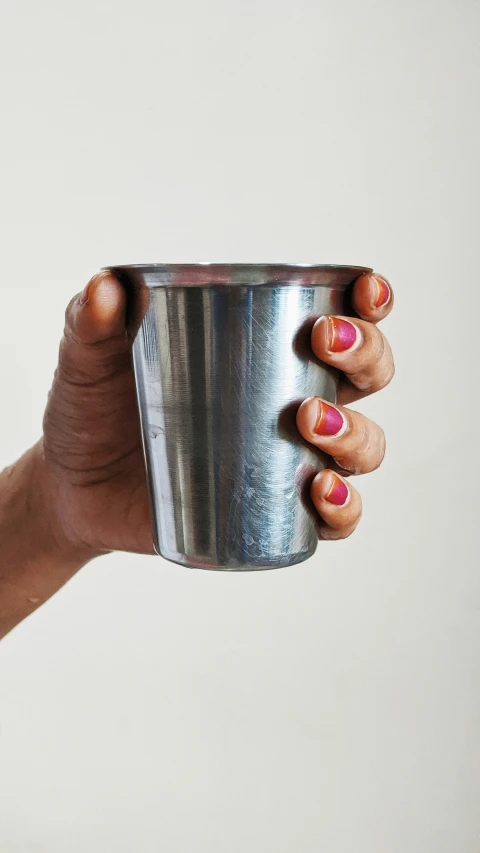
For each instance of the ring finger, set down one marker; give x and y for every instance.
(356, 443)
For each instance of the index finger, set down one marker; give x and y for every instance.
(372, 297)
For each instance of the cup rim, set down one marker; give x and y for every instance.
(236, 265)
(205, 274)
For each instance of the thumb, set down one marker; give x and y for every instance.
(95, 345)
(98, 313)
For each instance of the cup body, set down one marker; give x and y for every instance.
(222, 361)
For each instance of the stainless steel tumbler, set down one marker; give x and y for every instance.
(222, 361)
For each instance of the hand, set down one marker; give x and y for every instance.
(81, 490)
(92, 450)
(355, 444)
(92, 445)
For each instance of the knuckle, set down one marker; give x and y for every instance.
(384, 376)
(378, 343)
(336, 534)
(368, 453)
(350, 465)
(379, 450)
(69, 314)
(383, 444)
(343, 533)
(357, 515)
(375, 378)
(361, 380)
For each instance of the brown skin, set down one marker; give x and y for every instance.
(81, 491)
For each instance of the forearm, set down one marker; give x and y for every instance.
(35, 561)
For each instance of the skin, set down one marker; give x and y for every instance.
(80, 492)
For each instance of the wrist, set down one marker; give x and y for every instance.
(36, 559)
(47, 511)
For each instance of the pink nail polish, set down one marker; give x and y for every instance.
(342, 335)
(383, 294)
(84, 295)
(338, 492)
(329, 420)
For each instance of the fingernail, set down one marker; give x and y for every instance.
(84, 295)
(342, 335)
(329, 420)
(383, 291)
(338, 492)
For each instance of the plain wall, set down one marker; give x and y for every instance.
(333, 706)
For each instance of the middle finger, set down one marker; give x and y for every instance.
(359, 350)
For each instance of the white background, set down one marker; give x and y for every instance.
(333, 706)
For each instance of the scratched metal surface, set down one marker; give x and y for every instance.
(220, 370)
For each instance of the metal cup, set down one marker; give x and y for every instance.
(222, 361)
